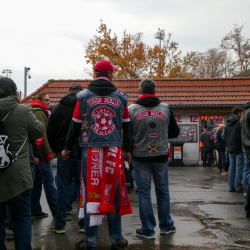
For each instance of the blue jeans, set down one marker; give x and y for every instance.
(222, 160)
(65, 170)
(246, 172)
(114, 220)
(235, 173)
(143, 173)
(10, 221)
(72, 192)
(43, 174)
(19, 207)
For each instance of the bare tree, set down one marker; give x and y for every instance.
(237, 42)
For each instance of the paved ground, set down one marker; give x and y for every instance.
(206, 216)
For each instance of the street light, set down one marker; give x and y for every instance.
(26, 70)
(7, 71)
(160, 34)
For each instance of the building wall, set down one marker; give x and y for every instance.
(190, 149)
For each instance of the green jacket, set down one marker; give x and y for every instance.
(20, 124)
(42, 116)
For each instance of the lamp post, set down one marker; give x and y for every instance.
(7, 71)
(160, 34)
(26, 70)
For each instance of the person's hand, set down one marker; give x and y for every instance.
(65, 154)
(49, 156)
(36, 160)
(127, 156)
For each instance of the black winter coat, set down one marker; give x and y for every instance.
(245, 128)
(59, 123)
(232, 135)
(220, 146)
(208, 145)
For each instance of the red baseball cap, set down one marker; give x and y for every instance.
(104, 66)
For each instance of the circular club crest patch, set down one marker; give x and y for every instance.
(103, 121)
(123, 94)
(85, 137)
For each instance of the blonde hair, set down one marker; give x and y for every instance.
(221, 126)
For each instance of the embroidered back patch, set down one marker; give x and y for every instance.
(152, 135)
(82, 93)
(123, 94)
(148, 113)
(103, 121)
(85, 125)
(153, 148)
(85, 137)
(103, 100)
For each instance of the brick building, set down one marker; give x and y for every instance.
(194, 102)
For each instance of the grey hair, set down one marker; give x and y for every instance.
(147, 86)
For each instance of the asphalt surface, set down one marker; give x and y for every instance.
(206, 216)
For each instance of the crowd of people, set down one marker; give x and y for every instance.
(231, 144)
(93, 133)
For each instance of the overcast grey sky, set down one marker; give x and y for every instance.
(49, 36)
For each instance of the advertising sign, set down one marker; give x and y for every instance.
(188, 133)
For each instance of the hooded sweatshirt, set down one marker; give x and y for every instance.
(232, 135)
(100, 87)
(59, 123)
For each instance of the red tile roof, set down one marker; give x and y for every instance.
(176, 92)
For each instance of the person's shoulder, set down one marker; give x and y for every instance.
(22, 108)
(121, 94)
(82, 94)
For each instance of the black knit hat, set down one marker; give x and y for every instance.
(75, 87)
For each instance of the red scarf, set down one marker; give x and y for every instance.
(103, 77)
(101, 183)
(81, 200)
(146, 95)
(39, 104)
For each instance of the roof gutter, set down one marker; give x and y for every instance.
(203, 106)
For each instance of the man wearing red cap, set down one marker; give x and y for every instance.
(100, 117)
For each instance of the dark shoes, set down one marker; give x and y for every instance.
(40, 215)
(140, 233)
(82, 246)
(240, 191)
(121, 244)
(237, 191)
(170, 231)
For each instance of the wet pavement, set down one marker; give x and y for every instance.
(206, 216)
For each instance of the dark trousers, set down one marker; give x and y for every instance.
(20, 211)
(247, 202)
(210, 156)
(222, 160)
(65, 171)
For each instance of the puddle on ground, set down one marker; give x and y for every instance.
(242, 242)
(225, 203)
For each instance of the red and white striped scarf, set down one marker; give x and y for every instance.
(101, 183)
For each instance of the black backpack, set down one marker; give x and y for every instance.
(6, 157)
